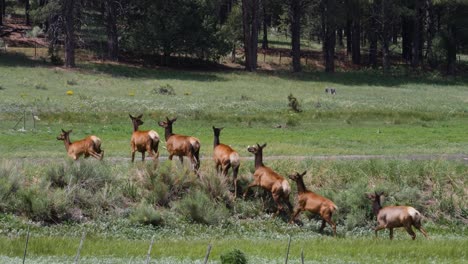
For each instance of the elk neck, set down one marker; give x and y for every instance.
(67, 142)
(259, 159)
(216, 141)
(376, 206)
(168, 132)
(300, 185)
(135, 126)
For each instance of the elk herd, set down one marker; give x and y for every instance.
(225, 157)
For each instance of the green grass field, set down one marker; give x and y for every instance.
(403, 113)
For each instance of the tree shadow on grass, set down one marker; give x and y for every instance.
(372, 78)
(130, 71)
(13, 59)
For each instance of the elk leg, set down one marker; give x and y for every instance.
(422, 230)
(252, 184)
(235, 170)
(332, 224)
(143, 156)
(133, 155)
(181, 158)
(279, 206)
(322, 226)
(297, 211)
(410, 232)
(378, 228)
(95, 155)
(391, 233)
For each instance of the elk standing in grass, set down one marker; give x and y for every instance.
(90, 146)
(225, 157)
(312, 202)
(396, 216)
(143, 141)
(179, 145)
(269, 180)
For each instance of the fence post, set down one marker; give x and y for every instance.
(149, 251)
(26, 246)
(208, 250)
(287, 251)
(77, 257)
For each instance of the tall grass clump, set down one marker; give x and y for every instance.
(146, 214)
(197, 207)
(235, 256)
(9, 185)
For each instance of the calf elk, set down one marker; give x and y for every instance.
(396, 216)
(179, 145)
(269, 180)
(143, 141)
(225, 157)
(312, 202)
(90, 146)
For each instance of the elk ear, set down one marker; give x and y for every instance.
(174, 119)
(69, 131)
(214, 127)
(264, 145)
(140, 116)
(304, 173)
(130, 116)
(370, 196)
(63, 131)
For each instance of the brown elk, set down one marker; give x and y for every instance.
(225, 158)
(269, 180)
(312, 202)
(143, 141)
(179, 145)
(89, 146)
(396, 216)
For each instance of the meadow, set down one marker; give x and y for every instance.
(402, 116)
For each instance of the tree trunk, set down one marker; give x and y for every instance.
(451, 50)
(417, 34)
(68, 10)
(373, 36)
(385, 36)
(431, 30)
(406, 36)
(111, 28)
(328, 33)
(26, 12)
(1, 11)
(295, 11)
(250, 27)
(356, 46)
(348, 33)
(247, 36)
(339, 34)
(265, 28)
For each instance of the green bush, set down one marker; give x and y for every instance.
(146, 214)
(199, 208)
(234, 257)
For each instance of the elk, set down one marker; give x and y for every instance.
(312, 202)
(225, 158)
(269, 180)
(396, 216)
(143, 141)
(179, 145)
(89, 146)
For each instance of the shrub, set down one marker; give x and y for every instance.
(9, 185)
(146, 214)
(234, 257)
(164, 90)
(293, 103)
(197, 207)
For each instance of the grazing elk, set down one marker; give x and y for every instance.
(225, 157)
(179, 145)
(143, 141)
(396, 216)
(269, 180)
(89, 146)
(312, 202)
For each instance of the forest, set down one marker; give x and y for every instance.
(427, 34)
